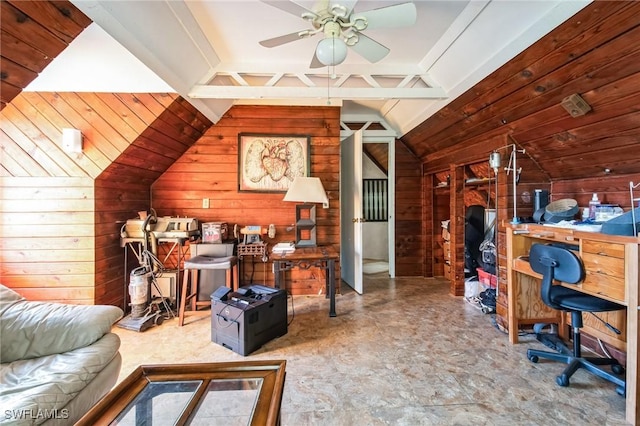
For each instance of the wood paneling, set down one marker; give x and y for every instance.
(47, 246)
(209, 169)
(164, 126)
(596, 54)
(33, 34)
(75, 204)
(410, 244)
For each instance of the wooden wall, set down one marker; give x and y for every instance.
(61, 213)
(408, 215)
(164, 126)
(32, 34)
(595, 54)
(209, 169)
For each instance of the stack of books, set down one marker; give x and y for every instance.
(284, 248)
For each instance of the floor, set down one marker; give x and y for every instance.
(404, 353)
(374, 266)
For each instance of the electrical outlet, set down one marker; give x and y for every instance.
(205, 203)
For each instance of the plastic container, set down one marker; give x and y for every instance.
(592, 206)
(487, 279)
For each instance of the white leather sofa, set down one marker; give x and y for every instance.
(57, 360)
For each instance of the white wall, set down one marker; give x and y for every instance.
(375, 235)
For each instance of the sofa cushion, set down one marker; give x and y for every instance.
(28, 387)
(35, 329)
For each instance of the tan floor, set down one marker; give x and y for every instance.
(404, 353)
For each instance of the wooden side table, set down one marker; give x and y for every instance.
(322, 257)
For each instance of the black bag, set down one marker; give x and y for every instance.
(489, 256)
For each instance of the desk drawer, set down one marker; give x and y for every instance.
(603, 249)
(604, 276)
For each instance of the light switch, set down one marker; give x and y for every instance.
(205, 203)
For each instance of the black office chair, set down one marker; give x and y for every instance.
(561, 264)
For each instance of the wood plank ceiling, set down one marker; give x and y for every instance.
(595, 54)
(32, 34)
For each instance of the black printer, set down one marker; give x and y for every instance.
(245, 320)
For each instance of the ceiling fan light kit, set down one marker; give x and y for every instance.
(331, 50)
(343, 27)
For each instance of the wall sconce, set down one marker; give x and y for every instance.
(308, 190)
(494, 163)
(72, 141)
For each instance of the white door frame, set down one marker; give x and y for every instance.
(351, 211)
(388, 136)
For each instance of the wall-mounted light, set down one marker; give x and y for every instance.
(72, 141)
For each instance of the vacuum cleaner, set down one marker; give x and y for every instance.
(144, 313)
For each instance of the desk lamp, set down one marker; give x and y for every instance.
(309, 191)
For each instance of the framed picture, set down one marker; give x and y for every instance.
(269, 163)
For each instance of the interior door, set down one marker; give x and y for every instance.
(351, 211)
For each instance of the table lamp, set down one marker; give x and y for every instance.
(309, 191)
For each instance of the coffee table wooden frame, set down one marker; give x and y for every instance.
(267, 408)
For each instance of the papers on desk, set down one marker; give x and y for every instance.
(284, 248)
(581, 226)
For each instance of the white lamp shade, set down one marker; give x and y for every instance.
(307, 190)
(72, 140)
(331, 51)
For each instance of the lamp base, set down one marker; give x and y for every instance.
(306, 225)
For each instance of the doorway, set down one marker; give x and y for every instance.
(352, 223)
(375, 205)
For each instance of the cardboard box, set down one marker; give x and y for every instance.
(214, 232)
(447, 271)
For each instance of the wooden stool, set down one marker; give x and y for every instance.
(192, 267)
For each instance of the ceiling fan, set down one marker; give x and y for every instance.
(343, 28)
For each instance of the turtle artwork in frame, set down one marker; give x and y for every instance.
(270, 163)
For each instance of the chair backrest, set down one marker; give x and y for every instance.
(555, 263)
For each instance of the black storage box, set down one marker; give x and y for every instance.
(249, 318)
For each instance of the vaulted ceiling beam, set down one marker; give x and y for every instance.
(345, 93)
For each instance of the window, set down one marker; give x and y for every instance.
(375, 200)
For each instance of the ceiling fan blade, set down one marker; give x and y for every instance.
(284, 39)
(370, 49)
(398, 15)
(315, 62)
(288, 6)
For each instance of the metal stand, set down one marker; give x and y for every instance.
(253, 249)
(633, 205)
(177, 246)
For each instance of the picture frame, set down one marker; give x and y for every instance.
(270, 162)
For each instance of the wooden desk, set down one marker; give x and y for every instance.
(611, 266)
(323, 257)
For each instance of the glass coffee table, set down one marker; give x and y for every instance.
(230, 393)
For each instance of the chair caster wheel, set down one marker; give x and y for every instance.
(533, 358)
(562, 380)
(618, 369)
(620, 390)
